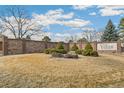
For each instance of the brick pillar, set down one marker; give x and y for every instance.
(80, 45)
(4, 45)
(23, 46)
(45, 45)
(95, 45)
(68, 48)
(118, 46)
(69, 45)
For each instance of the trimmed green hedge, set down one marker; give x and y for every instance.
(79, 51)
(74, 47)
(61, 51)
(60, 46)
(47, 51)
(50, 51)
(88, 51)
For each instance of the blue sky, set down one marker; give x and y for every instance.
(94, 17)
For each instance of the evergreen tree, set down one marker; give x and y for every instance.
(60, 46)
(121, 29)
(110, 33)
(74, 47)
(28, 37)
(46, 39)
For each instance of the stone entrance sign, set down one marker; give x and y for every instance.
(107, 46)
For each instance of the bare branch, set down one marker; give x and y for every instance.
(17, 21)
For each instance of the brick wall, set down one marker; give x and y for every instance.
(18, 46)
(15, 46)
(51, 44)
(33, 46)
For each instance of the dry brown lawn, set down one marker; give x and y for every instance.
(41, 70)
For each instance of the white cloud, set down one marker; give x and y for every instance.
(8, 34)
(59, 17)
(40, 36)
(81, 7)
(65, 36)
(76, 33)
(44, 20)
(92, 14)
(88, 29)
(111, 10)
(62, 34)
(76, 23)
(59, 14)
(52, 17)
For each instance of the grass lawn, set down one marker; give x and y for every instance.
(40, 70)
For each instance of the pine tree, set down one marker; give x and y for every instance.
(46, 39)
(121, 29)
(28, 37)
(60, 46)
(74, 47)
(110, 33)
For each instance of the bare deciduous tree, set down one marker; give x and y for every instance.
(90, 35)
(72, 38)
(16, 20)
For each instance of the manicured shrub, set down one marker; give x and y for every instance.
(47, 51)
(55, 54)
(88, 49)
(60, 46)
(70, 56)
(52, 50)
(94, 53)
(72, 52)
(61, 51)
(74, 47)
(87, 52)
(79, 51)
